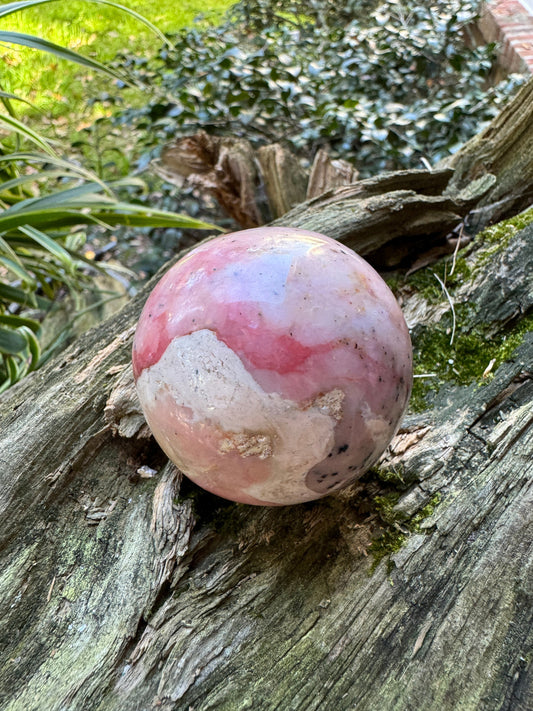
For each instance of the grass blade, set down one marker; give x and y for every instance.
(15, 125)
(12, 294)
(12, 373)
(33, 347)
(69, 167)
(10, 8)
(60, 52)
(11, 342)
(18, 321)
(16, 268)
(50, 246)
(87, 211)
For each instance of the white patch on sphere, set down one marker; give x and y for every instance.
(203, 374)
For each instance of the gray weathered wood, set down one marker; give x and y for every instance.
(504, 148)
(125, 590)
(284, 178)
(405, 211)
(327, 173)
(117, 594)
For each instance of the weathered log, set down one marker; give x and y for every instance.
(284, 178)
(118, 594)
(327, 173)
(408, 211)
(124, 587)
(223, 167)
(505, 149)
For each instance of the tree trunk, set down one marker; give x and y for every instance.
(505, 149)
(125, 588)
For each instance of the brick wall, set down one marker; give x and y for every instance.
(509, 23)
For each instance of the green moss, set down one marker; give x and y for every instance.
(501, 234)
(393, 537)
(497, 237)
(465, 361)
(385, 546)
(390, 475)
(393, 281)
(385, 507)
(425, 283)
(512, 340)
(415, 523)
(396, 527)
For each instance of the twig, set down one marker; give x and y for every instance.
(459, 238)
(50, 589)
(445, 290)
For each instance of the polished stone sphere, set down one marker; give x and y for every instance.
(273, 365)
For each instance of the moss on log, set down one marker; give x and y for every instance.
(125, 588)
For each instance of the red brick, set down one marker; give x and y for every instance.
(520, 32)
(508, 22)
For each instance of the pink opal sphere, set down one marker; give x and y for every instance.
(273, 365)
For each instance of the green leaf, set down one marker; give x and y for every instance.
(11, 342)
(18, 270)
(14, 372)
(71, 169)
(13, 369)
(94, 208)
(59, 198)
(33, 347)
(15, 125)
(10, 8)
(59, 51)
(9, 252)
(12, 294)
(18, 321)
(31, 178)
(50, 246)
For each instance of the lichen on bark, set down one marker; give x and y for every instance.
(125, 593)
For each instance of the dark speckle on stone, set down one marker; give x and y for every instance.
(342, 449)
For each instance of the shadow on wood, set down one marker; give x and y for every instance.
(123, 590)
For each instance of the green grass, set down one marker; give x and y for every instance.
(61, 89)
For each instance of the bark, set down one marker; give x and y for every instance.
(327, 173)
(223, 167)
(284, 178)
(124, 587)
(391, 217)
(504, 149)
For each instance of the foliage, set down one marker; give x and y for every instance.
(46, 202)
(42, 232)
(79, 25)
(385, 91)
